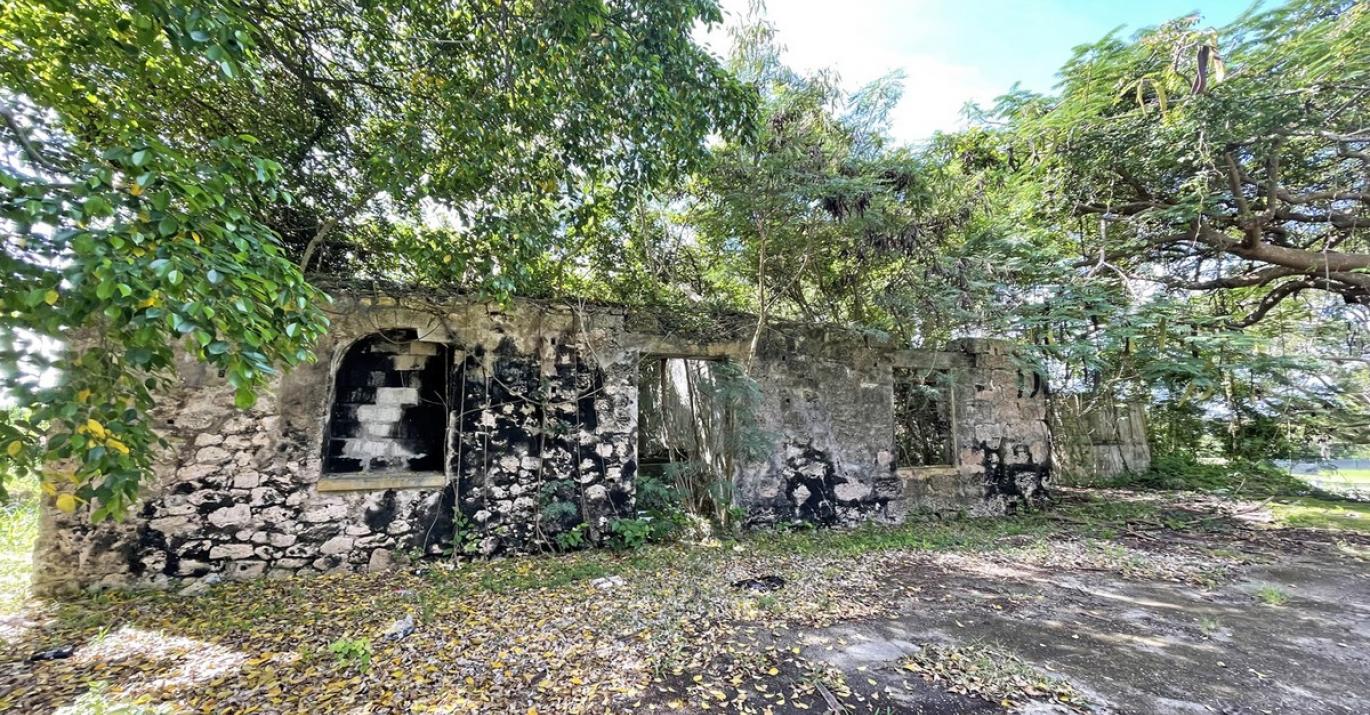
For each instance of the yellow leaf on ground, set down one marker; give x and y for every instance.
(66, 502)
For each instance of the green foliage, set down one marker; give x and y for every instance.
(557, 498)
(656, 496)
(571, 539)
(1176, 224)
(660, 515)
(1203, 158)
(128, 247)
(1239, 478)
(816, 216)
(1272, 595)
(18, 532)
(630, 533)
(559, 511)
(352, 652)
(177, 164)
(812, 213)
(1322, 514)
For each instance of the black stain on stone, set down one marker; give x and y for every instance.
(620, 499)
(811, 483)
(379, 516)
(433, 521)
(515, 407)
(1013, 474)
(220, 501)
(149, 541)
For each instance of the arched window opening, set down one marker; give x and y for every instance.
(390, 406)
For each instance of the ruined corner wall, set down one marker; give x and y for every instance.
(829, 406)
(1001, 437)
(540, 439)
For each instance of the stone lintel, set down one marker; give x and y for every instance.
(398, 480)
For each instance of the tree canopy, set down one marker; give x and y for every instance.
(173, 169)
(1194, 201)
(1209, 160)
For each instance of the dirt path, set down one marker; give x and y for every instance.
(1143, 646)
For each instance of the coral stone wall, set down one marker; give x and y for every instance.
(535, 409)
(830, 417)
(1000, 427)
(236, 497)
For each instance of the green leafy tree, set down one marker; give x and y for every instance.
(1214, 160)
(1184, 220)
(125, 245)
(171, 169)
(816, 214)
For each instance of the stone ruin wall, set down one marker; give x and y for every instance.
(1097, 437)
(544, 406)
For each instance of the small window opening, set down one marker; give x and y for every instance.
(922, 419)
(389, 411)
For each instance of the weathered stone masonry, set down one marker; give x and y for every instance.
(431, 425)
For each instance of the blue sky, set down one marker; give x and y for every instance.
(954, 52)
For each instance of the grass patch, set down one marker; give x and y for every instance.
(1349, 476)
(1322, 514)
(18, 530)
(1272, 595)
(544, 573)
(1097, 518)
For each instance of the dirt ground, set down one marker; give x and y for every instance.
(1142, 645)
(1109, 602)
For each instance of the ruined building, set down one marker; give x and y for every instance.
(429, 425)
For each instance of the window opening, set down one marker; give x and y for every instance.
(922, 419)
(390, 407)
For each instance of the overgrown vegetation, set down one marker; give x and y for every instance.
(172, 170)
(1272, 595)
(1323, 514)
(352, 652)
(602, 619)
(1239, 477)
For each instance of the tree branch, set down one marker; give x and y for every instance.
(1272, 299)
(30, 148)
